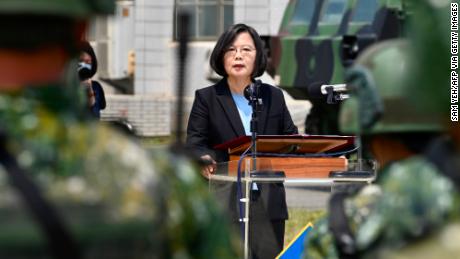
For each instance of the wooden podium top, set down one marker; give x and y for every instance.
(294, 167)
(289, 144)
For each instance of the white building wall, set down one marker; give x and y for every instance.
(153, 36)
(264, 15)
(149, 114)
(149, 110)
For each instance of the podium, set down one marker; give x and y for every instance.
(305, 161)
(284, 153)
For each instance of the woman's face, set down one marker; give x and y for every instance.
(240, 56)
(85, 57)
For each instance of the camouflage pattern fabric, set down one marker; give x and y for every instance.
(117, 200)
(429, 90)
(318, 40)
(307, 49)
(442, 244)
(409, 198)
(413, 212)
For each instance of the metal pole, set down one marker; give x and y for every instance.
(254, 131)
(247, 199)
(246, 222)
(183, 21)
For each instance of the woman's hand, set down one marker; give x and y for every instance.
(210, 166)
(89, 91)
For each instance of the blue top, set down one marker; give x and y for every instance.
(100, 99)
(245, 111)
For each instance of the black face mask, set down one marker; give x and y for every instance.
(84, 71)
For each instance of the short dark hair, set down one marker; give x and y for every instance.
(227, 38)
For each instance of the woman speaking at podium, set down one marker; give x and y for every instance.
(221, 113)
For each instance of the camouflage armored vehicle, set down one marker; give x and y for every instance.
(318, 39)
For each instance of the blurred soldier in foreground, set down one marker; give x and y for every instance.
(430, 90)
(113, 200)
(411, 196)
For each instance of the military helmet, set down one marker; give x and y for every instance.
(65, 8)
(429, 33)
(379, 98)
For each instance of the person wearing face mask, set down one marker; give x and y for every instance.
(221, 113)
(87, 68)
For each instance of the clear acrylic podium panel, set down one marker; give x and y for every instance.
(306, 195)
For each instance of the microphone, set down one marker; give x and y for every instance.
(251, 92)
(333, 92)
(338, 88)
(248, 92)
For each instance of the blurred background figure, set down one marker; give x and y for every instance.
(71, 187)
(87, 68)
(413, 211)
(429, 89)
(411, 196)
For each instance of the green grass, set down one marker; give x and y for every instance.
(299, 218)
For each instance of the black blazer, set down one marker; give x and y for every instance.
(214, 118)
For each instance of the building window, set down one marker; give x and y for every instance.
(334, 12)
(365, 11)
(303, 12)
(209, 18)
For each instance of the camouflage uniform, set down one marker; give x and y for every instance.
(384, 216)
(117, 200)
(410, 197)
(429, 90)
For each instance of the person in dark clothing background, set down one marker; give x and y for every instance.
(87, 68)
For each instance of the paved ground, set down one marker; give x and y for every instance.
(312, 198)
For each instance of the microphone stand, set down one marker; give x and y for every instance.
(251, 93)
(254, 104)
